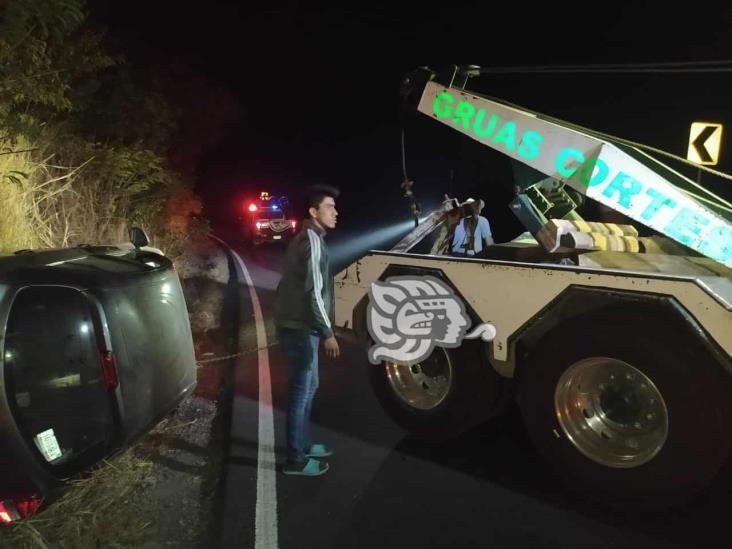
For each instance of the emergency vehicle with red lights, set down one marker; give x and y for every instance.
(268, 218)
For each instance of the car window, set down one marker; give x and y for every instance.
(53, 376)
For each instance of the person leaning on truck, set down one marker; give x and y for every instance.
(303, 306)
(443, 241)
(473, 233)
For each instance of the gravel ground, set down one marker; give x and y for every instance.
(178, 495)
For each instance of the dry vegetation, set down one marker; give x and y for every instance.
(119, 504)
(88, 510)
(47, 205)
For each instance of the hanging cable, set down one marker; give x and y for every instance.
(722, 203)
(711, 202)
(674, 66)
(654, 64)
(404, 158)
(414, 206)
(648, 70)
(623, 67)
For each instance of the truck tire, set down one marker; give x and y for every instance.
(450, 392)
(630, 407)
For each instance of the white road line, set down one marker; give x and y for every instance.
(265, 522)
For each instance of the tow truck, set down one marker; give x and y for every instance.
(267, 219)
(616, 346)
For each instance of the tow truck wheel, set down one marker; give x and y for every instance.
(632, 412)
(445, 395)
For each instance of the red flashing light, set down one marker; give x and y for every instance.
(293, 223)
(109, 370)
(252, 207)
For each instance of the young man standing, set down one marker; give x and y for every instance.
(303, 307)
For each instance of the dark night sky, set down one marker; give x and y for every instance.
(318, 86)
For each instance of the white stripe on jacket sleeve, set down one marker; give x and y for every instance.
(317, 275)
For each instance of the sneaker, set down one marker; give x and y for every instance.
(308, 468)
(319, 451)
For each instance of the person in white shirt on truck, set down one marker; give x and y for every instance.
(473, 233)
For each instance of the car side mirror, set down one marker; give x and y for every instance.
(138, 237)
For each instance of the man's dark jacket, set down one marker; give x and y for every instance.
(305, 294)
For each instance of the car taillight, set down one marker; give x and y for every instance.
(18, 508)
(109, 369)
(7, 513)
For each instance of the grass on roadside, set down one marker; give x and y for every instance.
(96, 508)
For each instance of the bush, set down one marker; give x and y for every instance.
(82, 145)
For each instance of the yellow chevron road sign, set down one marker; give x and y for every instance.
(704, 142)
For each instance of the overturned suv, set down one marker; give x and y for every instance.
(96, 348)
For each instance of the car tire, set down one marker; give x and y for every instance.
(628, 449)
(446, 408)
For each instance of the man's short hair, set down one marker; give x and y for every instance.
(317, 193)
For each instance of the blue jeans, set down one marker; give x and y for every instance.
(300, 348)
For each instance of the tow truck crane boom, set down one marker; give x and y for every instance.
(568, 160)
(620, 362)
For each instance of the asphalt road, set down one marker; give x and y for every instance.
(385, 489)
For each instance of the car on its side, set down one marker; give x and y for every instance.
(96, 349)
